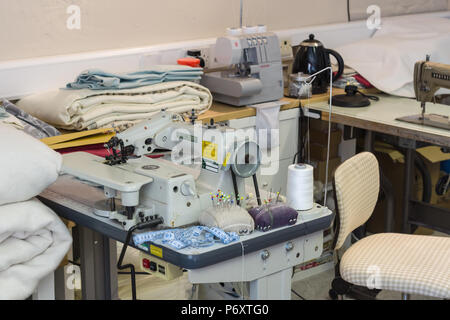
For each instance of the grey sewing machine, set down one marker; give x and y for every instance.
(429, 77)
(256, 74)
(151, 188)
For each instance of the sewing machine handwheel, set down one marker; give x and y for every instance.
(247, 159)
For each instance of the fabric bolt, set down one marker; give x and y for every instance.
(195, 237)
(411, 264)
(88, 109)
(95, 79)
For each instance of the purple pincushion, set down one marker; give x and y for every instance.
(273, 216)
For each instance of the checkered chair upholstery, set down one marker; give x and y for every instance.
(410, 264)
(357, 184)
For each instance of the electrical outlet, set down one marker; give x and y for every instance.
(205, 54)
(286, 49)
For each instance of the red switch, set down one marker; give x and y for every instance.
(146, 263)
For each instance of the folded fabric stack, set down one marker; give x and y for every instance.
(12, 115)
(92, 109)
(33, 240)
(99, 80)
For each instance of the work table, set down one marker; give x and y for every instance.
(223, 112)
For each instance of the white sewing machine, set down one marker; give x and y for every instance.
(151, 188)
(256, 75)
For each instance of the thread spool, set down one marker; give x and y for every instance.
(250, 29)
(300, 187)
(262, 28)
(234, 32)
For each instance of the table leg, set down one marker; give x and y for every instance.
(276, 286)
(388, 190)
(385, 185)
(409, 172)
(98, 266)
(368, 141)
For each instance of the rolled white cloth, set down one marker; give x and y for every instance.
(33, 241)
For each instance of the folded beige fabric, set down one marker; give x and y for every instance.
(89, 109)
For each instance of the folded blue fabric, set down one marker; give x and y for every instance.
(95, 79)
(195, 237)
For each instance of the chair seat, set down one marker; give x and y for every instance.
(399, 262)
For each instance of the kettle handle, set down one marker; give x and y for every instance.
(340, 63)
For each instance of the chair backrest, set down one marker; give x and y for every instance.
(356, 187)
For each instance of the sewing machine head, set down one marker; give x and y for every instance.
(256, 74)
(429, 77)
(168, 189)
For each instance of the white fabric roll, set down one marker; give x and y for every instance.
(27, 166)
(33, 241)
(300, 187)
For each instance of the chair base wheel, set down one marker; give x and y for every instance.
(333, 294)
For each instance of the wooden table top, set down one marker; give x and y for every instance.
(223, 112)
(379, 116)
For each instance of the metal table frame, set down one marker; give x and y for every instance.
(99, 256)
(408, 136)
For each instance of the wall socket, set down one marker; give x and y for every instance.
(286, 49)
(205, 53)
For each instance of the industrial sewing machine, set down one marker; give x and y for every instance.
(256, 74)
(429, 77)
(158, 188)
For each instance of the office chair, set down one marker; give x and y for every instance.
(410, 264)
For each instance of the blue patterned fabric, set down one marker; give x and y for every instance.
(31, 125)
(195, 237)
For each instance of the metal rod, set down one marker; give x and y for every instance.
(329, 127)
(255, 183)
(241, 13)
(409, 171)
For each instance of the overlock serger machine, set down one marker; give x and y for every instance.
(256, 75)
(157, 188)
(429, 77)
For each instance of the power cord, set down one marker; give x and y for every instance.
(139, 226)
(295, 292)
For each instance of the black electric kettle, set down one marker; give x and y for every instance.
(312, 57)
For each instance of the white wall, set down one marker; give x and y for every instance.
(35, 28)
(396, 7)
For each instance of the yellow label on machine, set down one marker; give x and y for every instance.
(209, 150)
(226, 159)
(156, 251)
